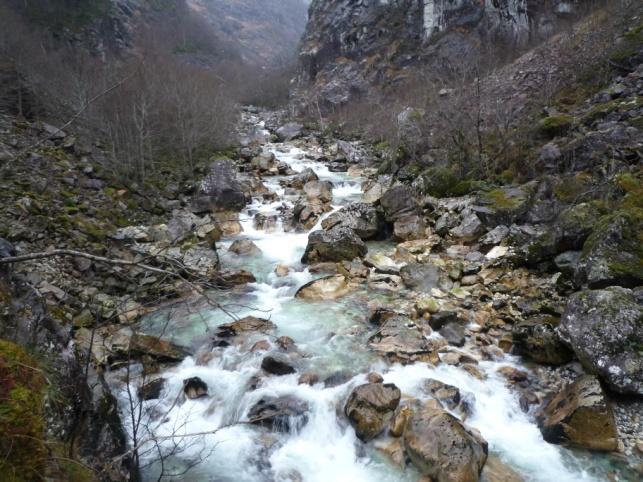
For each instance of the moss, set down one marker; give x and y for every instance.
(499, 199)
(556, 125)
(21, 415)
(570, 189)
(92, 228)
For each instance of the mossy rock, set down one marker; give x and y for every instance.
(556, 125)
(504, 205)
(21, 415)
(613, 253)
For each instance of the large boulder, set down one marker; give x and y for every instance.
(401, 340)
(307, 212)
(442, 448)
(370, 408)
(327, 288)
(363, 218)
(424, 277)
(289, 131)
(504, 205)
(409, 227)
(280, 414)
(220, 190)
(319, 190)
(397, 202)
(538, 339)
(605, 330)
(580, 415)
(613, 254)
(338, 244)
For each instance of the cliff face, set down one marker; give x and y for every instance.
(350, 46)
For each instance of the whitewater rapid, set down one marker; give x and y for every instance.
(332, 335)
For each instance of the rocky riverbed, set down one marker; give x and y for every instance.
(377, 335)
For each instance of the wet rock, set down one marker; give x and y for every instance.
(580, 415)
(227, 222)
(453, 333)
(308, 379)
(300, 180)
(285, 343)
(374, 377)
(605, 330)
(385, 282)
(441, 447)
(612, 254)
(276, 366)
(495, 470)
(427, 305)
(281, 414)
(504, 205)
(450, 396)
(282, 270)
(328, 288)
(338, 244)
(381, 263)
(151, 390)
(261, 345)
(337, 378)
(440, 319)
(319, 190)
(373, 193)
(513, 375)
(195, 388)
(266, 163)
(538, 339)
(398, 202)
(249, 324)
(124, 344)
(244, 247)
(400, 418)
(231, 278)
(289, 131)
(362, 218)
(307, 212)
(220, 190)
(400, 339)
(370, 407)
(380, 315)
(265, 222)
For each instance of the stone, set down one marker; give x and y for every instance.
(338, 244)
(538, 340)
(281, 414)
(373, 193)
(427, 304)
(289, 131)
(298, 181)
(409, 227)
(604, 328)
(441, 447)
(195, 388)
(327, 288)
(285, 343)
(421, 277)
(612, 255)
(400, 418)
(261, 345)
(151, 390)
(276, 366)
(401, 340)
(370, 407)
(282, 270)
(440, 319)
(308, 379)
(381, 263)
(495, 470)
(319, 190)
(580, 415)
(398, 202)
(220, 190)
(374, 377)
(227, 333)
(244, 247)
(469, 229)
(362, 218)
(385, 282)
(513, 375)
(453, 333)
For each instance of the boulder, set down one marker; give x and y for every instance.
(409, 227)
(538, 340)
(580, 415)
(469, 229)
(450, 396)
(421, 277)
(373, 193)
(381, 263)
(301, 179)
(281, 414)
(605, 330)
(266, 163)
(613, 254)
(442, 448)
(328, 288)
(362, 218)
(195, 388)
(276, 366)
(235, 331)
(338, 244)
(266, 222)
(453, 333)
(289, 131)
(319, 190)
(220, 190)
(398, 202)
(307, 212)
(370, 407)
(244, 247)
(385, 282)
(151, 390)
(401, 340)
(504, 205)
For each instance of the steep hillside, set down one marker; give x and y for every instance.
(350, 47)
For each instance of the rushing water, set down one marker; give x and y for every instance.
(332, 335)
